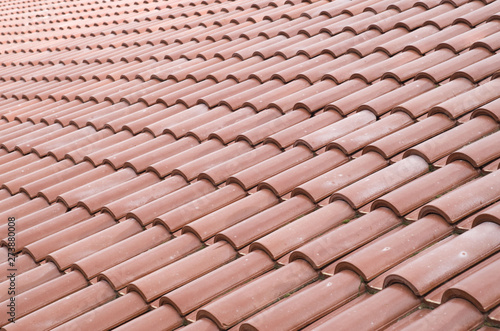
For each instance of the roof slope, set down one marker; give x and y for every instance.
(250, 165)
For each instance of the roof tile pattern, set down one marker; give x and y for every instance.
(251, 165)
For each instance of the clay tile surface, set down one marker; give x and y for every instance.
(250, 165)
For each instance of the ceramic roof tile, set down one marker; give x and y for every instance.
(463, 312)
(459, 253)
(271, 287)
(137, 87)
(322, 186)
(369, 309)
(320, 298)
(300, 231)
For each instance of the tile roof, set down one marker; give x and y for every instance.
(250, 165)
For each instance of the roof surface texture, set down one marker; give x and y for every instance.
(250, 165)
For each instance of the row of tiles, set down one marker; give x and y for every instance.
(388, 250)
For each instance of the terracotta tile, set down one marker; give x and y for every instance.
(44, 222)
(316, 73)
(396, 300)
(478, 153)
(372, 73)
(319, 299)
(65, 256)
(491, 109)
(394, 248)
(445, 143)
(208, 287)
(252, 176)
(457, 313)
(263, 101)
(46, 293)
(243, 233)
(30, 279)
(319, 100)
(416, 193)
(300, 231)
(332, 245)
(24, 263)
(479, 15)
(244, 73)
(146, 213)
(287, 180)
(324, 185)
(149, 261)
(418, 20)
(178, 130)
(489, 43)
(166, 316)
(407, 320)
(67, 308)
(384, 103)
(270, 287)
(157, 123)
(167, 165)
(356, 62)
(490, 214)
(288, 102)
(381, 182)
(209, 225)
(355, 141)
(475, 188)
(121, 309)
(479, 70)
(458, 254)
(446, 69)
(258, 134)
(337, 311)
(476, 289)
(119, 208)
(221, 172)
(112, 255)
(322, 137)
(177, 218)
(373, 45)
(410, 136)
(459, 43)
(236, 96)
(48, 244)
(288, 69)
(155, 284)
(388, 23)
(96, 201)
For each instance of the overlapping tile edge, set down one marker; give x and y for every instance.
(251, 165)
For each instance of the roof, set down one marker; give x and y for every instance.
(250, 165)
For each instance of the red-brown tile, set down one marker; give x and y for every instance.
(156, 284)
(381, 182)
(149, 261)
(395, 301)
(67, 308)
(419, 191)
(235, 307)
(297, 233)
(394, 248)
(447, 260)
(457, 313)
(464, 200)
(445, 143)
(202, 290)
(164, 316)
(177, 218)
(332, 245)
(319, 188)
(309, 304)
